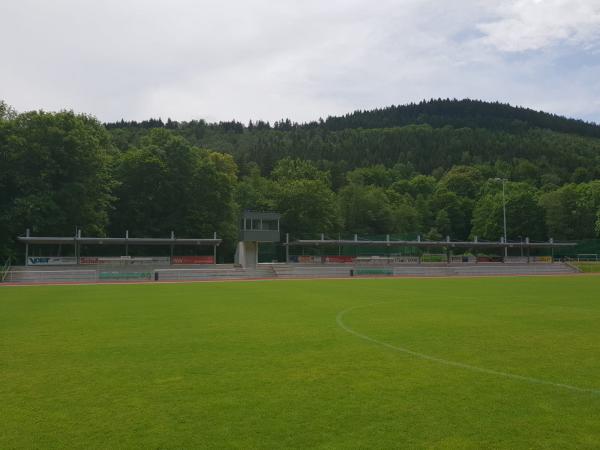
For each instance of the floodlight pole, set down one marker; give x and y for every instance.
(503, 180)
(27, 248)
(504, 213)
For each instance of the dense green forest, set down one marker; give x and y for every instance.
(430, 168)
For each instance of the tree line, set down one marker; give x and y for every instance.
(59, 171)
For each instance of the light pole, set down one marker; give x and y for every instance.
(503, 181)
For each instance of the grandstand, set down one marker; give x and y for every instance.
(78, 241)
(304, 258)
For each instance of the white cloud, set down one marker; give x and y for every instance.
(261, 59)
(534, 24)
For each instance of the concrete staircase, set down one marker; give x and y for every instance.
(311, 271)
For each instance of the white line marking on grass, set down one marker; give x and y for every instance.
(340, 322)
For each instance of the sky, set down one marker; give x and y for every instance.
(297, 59)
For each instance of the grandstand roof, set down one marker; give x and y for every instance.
(419, 243)
(115, 241)
(261, 215)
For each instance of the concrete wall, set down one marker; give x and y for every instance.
(246, 254)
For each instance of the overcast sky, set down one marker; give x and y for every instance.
(304, 59)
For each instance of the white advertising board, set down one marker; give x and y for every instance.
(50, 260)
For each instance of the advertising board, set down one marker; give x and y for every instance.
(50, 260)
(123, 260)
(339, 259)
(192, 260)
(308, 259)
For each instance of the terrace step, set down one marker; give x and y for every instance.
(86, 274)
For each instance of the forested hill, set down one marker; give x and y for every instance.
(428, 138)
(437, 113)
(462, 113)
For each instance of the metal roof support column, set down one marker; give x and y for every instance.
(287, 247)
(172, 238)
(78, 246)
(215, 249)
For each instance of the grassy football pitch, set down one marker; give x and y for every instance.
(379, 363)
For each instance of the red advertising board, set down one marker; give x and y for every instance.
(192, 260)
(308, 259)
(339, 259)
